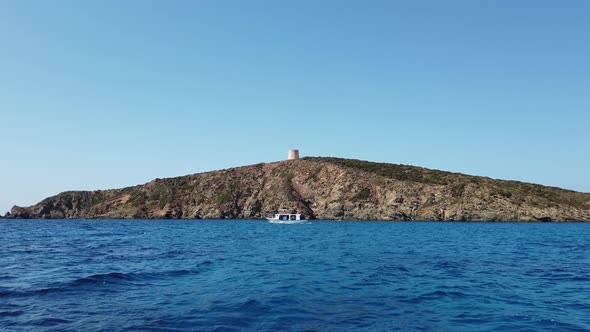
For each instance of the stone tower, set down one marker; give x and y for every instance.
(293, 154)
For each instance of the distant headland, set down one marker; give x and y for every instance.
(321, 188)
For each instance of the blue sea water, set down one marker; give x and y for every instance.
(231, 275)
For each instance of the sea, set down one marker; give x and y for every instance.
(251, 275)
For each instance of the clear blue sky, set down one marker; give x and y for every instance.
(106, 94)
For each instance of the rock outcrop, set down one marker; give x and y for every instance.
(322, 188)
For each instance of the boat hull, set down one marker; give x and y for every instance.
(278, 221)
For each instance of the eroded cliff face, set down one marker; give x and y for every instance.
(322, 188)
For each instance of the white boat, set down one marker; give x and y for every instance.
(286, 218)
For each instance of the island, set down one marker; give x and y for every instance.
(321, 188)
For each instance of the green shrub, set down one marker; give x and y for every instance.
(98, 198)
(224, 198)
(362, 195)
(137, 198)
(165, 200)
(458, 189)
(155, 195)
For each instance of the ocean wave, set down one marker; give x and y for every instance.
(7, 293)
(47, 322)
(437, 295)
(128, 277)
(11, 313)
(99, 279)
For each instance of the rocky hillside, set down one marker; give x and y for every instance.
(322, 188)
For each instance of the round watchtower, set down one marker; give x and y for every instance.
(293, 154)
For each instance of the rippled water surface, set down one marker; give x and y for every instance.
(146, 275)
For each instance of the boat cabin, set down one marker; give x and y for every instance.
(288, 217)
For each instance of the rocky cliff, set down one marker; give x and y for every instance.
(322, 188)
